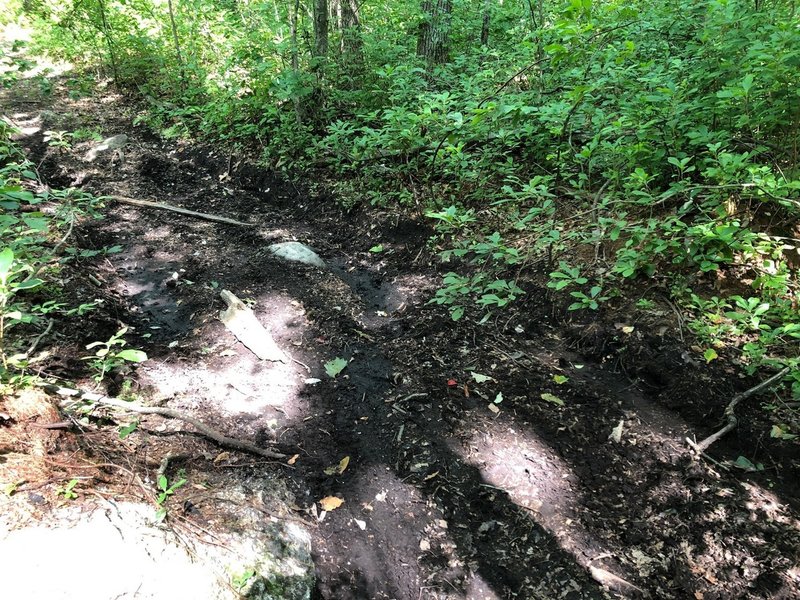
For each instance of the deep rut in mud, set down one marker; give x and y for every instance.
(463, 480)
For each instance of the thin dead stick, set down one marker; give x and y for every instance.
(177, 209)
(205, 430)
(730, 411)
(38, 339)
(64, 239)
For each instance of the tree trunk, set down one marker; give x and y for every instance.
(107, 34)
(320, 27)
(434, 33)
(298, 107)
(352, 46)
(177, 43)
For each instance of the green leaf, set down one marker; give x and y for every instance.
(128, 429)
(36, 223)
(27, 284)
(135, 356)
(499, 398)
(747, 83)
(335, 366)
(780, 433)
(376, 249)
(710, 355)
(559, 379)
(6, 260)
(552, 399)
(746, 465)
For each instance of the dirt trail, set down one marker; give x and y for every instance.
(450, 491)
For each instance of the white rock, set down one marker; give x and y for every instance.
(107, 145)
(297, 252)
(130, 556)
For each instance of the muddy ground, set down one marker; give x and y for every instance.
(451, 491)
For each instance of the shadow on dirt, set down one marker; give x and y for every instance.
(499, 486)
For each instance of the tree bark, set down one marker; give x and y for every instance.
(298, 107)
(320, 27)
(434, 33)
(352, 46)
(107, 34)
(177, 43)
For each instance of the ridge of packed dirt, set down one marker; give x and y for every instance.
(457, 485)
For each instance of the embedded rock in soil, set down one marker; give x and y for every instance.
(108, 145)
(117, 550)
(297, 252)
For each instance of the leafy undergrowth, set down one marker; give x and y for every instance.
(637, 153)
(35, 229)
(427, 457)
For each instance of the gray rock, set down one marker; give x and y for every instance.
(297, 252)
(107, 145)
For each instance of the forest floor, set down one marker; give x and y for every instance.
(450, 490)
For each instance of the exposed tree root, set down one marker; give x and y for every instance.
(205, 430)
(730, 413)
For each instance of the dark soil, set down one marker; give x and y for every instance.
(450, 491)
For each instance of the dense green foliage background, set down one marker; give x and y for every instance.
(623, 141)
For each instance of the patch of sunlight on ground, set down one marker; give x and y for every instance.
(537, 479)
(478, 589)
(233, 388)
(101, 554)
(230, 376)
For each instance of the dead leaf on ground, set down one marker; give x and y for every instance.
(338, 469)
(221, 457)
(616, 433)
(553, 399)
(329, 503)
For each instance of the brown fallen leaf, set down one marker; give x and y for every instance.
(338, 469)
(222, 457)
(431, 476)
(293, 460)
(329, 503)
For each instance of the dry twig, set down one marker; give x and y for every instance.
(182, 211)
(730, 413)
(205, 430)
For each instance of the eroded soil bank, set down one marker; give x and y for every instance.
(462, 481)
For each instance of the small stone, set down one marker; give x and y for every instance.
(107, 145)
(297, 252)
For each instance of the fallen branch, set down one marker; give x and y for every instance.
(177, 209)
(205, 430)
(38, 339)
(730, 412)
